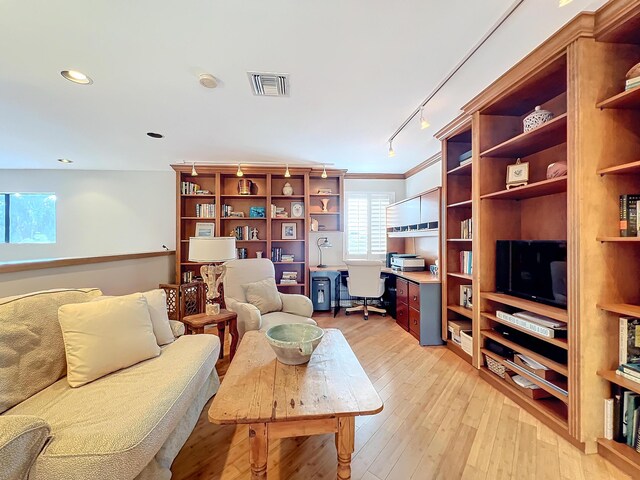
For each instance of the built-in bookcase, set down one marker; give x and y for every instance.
(457, 194)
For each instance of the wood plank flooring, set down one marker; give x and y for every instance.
(440, 421)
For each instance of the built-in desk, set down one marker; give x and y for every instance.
(418, 300)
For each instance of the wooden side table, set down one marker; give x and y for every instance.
(195, 324)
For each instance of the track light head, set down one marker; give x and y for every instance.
(239, 173)
(287, 174)
(324, 172)
(392, 152)
(194, 172)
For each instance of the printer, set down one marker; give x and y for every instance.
(407, 262)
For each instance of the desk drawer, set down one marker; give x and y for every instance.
(402, 290)
(402, 315)
(414, 296)
(414, 322)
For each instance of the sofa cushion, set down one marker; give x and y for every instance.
(105, 336)
(241, 272)
(118, 423)
(278, 318)
(157, 304)
(31, 348)
(264, 295)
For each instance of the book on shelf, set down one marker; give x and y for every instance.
(622, 417)
(465, 158)
(632, 83)
(608, 418)
(206, 210)
(189, 188)
(278, 212)
(629, 215)
(286, 258)
(466, 296)
(466, 229)
(276, 254)
(466, 262)
(629, 341)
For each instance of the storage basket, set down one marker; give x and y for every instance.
(495, 366)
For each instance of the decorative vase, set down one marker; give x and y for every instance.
(325, 204)
(244, 186)
(536, 118)
(287, 189)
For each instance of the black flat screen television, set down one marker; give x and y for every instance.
(535, 270)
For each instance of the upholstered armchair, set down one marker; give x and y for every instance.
(241, 273)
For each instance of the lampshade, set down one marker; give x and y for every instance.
(212, 249)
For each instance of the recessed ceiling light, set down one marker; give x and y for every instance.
(65, 160)
(76, 77)
(155, 135)
(208, 81)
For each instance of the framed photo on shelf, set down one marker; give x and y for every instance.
(289, 231)
(517, 174)
(205, 229)
(297, 209)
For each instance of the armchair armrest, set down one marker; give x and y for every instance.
(177, 328)
(22, 438)
(297, 304)
(249, 317)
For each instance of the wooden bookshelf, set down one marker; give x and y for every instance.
(268, 183)
(536, 189)
(558, 342)
(627, 100)
(625, 168)
(333, 219)
(611, 376)
(457, 194)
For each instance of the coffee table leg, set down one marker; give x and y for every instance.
(221, 337)
(258, 449)
(233, 333)
(345, 444)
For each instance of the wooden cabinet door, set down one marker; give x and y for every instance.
(402, 291)
(402, 315)
(414, 322)
(414, 296)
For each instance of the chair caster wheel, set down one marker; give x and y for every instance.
(366, 317)
(384, 314)
(347, 313)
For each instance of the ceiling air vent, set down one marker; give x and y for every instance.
(269, 84)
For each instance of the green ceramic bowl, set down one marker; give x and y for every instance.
(294, 343)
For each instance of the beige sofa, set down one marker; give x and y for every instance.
(130, 424)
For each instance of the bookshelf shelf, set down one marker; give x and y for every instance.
(625, 168)
(251, 241)
(288, 263)
(460, 275)
(324, 213)
(243, 219)
(465, 204)
(278, 240)
(292, 197)
(627, 100)
(545, 136)
(612, 377)
(292, 285)
(459, 240)
(555, 366)
(620, 453)
(621, 309)
(558, 342)
(457, 349)
(198, 218)
(319, 195)
(537, 189)
(618, 239)
(460, 310)
(194, 195)
(228, 195)
(534, 307)
(461, 170)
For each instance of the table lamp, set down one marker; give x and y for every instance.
(212, 250)
(323, 242)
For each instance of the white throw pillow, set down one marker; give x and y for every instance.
(106, 336)
(264, 295)
(157, 302)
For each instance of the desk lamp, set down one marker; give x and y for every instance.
(212, 250)
(323, 242)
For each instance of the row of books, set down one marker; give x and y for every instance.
(538, 324)
(190, 188)
(622, 417)
(245, 232)
(287, 258)
(629, 204)
(466, 262)
(466, 229)
(278, 212)
(276, 254)
(289, 278)
(206, 210)
(632, 83)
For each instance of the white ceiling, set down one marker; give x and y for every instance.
(358, 68)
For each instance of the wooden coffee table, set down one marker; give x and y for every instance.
(280, 401)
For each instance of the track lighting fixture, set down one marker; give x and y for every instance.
(194, 172)
(239, 173)
(564, 3)
(423, 121)
(286, 172)
(324, 172)
(392, 153)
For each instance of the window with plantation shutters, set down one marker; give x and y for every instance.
(365, 223)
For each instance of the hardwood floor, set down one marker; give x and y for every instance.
(440, 421)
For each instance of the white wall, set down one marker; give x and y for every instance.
(113, 278)
(424, 180)
(335, 254)
(99, 212)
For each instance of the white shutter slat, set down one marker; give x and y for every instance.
(366, 235)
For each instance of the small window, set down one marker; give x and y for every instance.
(28, 217)
(366, 235)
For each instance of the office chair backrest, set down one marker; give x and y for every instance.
(364, 278)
